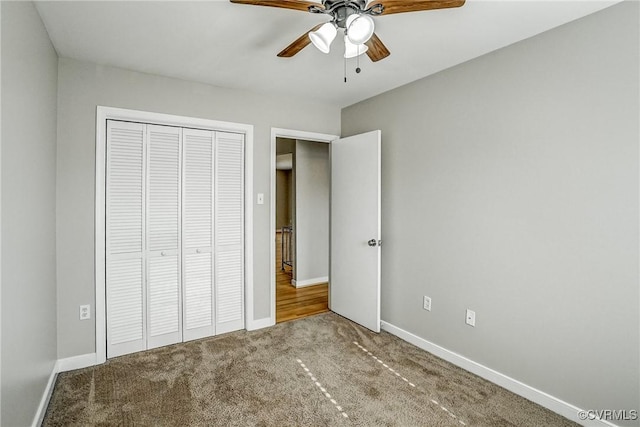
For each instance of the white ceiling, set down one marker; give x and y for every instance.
(235, 46)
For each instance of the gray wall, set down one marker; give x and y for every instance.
(83, 86)
(283, 198)
(29, 82)
(312, 210)
(284, 185)
(510, 186)
(285, 145)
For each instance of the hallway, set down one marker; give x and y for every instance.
(295, 303)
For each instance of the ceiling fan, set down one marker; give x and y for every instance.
(352, 16)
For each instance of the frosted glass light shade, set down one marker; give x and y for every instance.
(352, 50)
(323, 37)
(359, 28)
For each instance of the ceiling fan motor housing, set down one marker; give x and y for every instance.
(341, 14)
(340, 10)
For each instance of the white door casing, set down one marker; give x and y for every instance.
(275, 134)
(356, 228)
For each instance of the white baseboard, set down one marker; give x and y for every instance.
(61, 365)
(260, 323)
(309, 282)
(46, 396)
(552, 403)
(76, 362)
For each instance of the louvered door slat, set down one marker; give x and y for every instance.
(164, 306)
(163, 188)
(198, 188)
(164, 301)
(198, 293)
(125, 301)
(125, 188)
(229, 231)
(197, 233)
(125, 181)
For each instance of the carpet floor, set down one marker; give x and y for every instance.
(319, 371)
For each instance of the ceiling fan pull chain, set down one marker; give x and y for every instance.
(345, 70)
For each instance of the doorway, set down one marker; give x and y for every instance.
(300, 224)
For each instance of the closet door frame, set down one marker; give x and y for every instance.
(109, 113)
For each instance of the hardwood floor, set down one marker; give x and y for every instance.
(296, 303)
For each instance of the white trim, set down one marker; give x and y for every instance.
(293, 134)
(100, 237)
(61, 365)
(260, 323)
(1, 223)
(552, 403)
(309, 282)
(76, 362)
(102, 115)
(248, 228)
(46, 396)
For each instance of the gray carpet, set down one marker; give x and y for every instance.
(319, 371)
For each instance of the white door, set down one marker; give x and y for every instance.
(174, 235)
(229, 232)
(355, 229)
(163, 211)
(198, 233)
(125, 243)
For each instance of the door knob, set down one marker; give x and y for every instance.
(372, 242)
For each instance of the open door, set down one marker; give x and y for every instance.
(355, 229)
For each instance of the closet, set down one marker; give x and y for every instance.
(174, 235)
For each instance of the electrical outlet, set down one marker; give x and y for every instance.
(426, 303)
(470, 318)
(85, 312)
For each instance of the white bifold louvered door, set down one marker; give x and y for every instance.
(164, 305)
(125, 245)
(174, 235)
(197, 241)
(229, 231)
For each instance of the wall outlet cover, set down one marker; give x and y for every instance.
(470, 318)
(85, 312)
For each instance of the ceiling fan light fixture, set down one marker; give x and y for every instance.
(352, 50)
(323, 36)
(359, 28)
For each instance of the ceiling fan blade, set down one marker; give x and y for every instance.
(377, 50)
(402, 6)
(302, 5)
(299, 44)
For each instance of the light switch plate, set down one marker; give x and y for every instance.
(261, 198)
